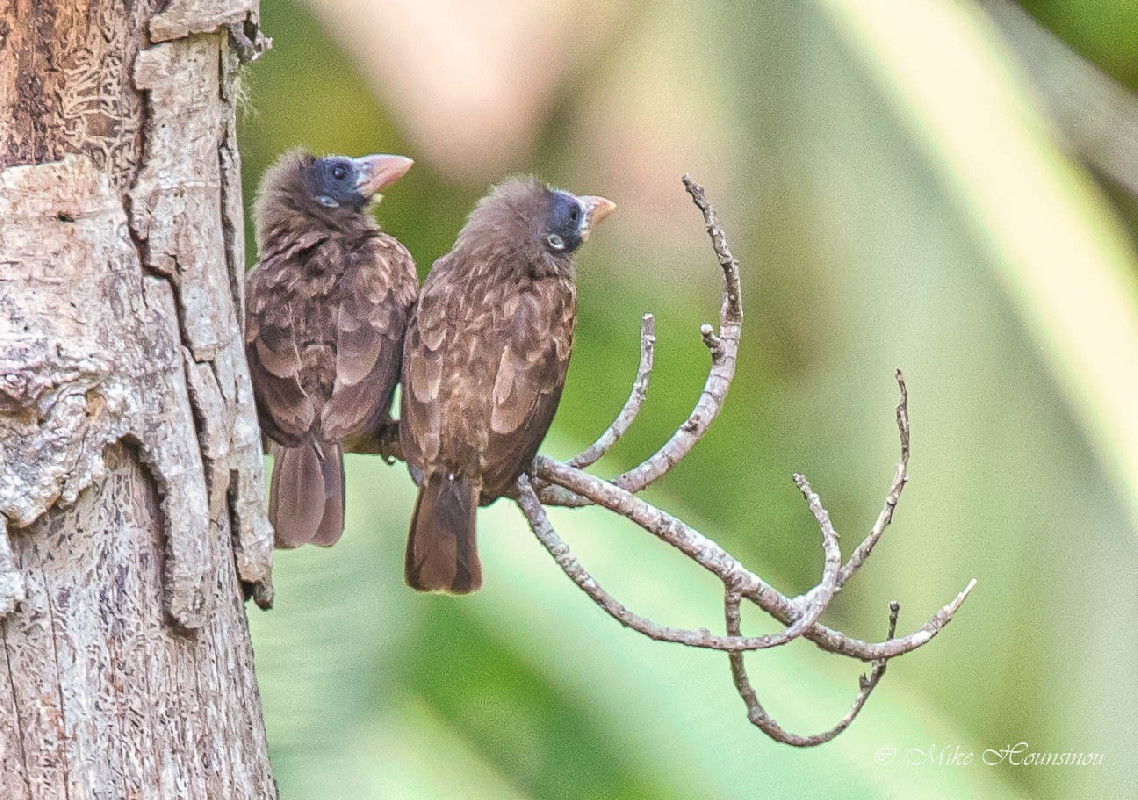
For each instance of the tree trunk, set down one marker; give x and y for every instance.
(131, 483)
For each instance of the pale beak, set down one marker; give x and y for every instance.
(377, 171)
(596, 209)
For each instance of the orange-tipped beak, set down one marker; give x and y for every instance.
(377, 171)
(596, 209)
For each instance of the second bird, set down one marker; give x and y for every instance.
(484, 363)
(326, 309)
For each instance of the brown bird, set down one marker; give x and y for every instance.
(484, 363)
(326, 309)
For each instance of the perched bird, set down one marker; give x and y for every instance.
(326, 309)
(484, 363)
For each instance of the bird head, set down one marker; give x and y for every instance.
(570, 219)
(301, 191)
(338, 181)
(525, 217)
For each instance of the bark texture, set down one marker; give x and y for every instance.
(131, 484)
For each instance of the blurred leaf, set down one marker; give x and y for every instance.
(1105, 31)
(468, 78)
(1060, 252)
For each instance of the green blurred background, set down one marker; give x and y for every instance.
(899, 194)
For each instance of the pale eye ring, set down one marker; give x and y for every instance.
(555, 241)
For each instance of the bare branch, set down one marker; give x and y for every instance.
(732, 309)
(899, 480)
(571, 566)
(709, 555)
(567, 484)
(710, 340)
(838, 643)
(830, 537)
(723, 347)
(667, 528)
(759, 717)
(632, 405)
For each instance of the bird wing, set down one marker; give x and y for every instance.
(424, 353)
(377, 291)
(482, 377)
(529, 379)
(284, 409)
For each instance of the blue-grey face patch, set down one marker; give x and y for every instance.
(335, 183)
(566, 221)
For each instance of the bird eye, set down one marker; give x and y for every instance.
(339, 172)
(555, 241)
(574, 213)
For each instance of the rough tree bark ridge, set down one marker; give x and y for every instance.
(131, 485)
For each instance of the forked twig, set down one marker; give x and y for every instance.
(632, 405)
(900, 478)
(712, 557)
(571, 566)
(567, 484)
(724, 348)
(759, 717)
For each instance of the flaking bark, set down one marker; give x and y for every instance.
(131, 485)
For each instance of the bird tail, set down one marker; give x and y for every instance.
(306, 499)
(442, 552)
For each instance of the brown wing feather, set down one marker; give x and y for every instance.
(484, 364)
(425, 350)
(378, 291)
(284, 408)
(528, 383)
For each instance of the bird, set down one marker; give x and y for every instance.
(484, 363)
(327, 306)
